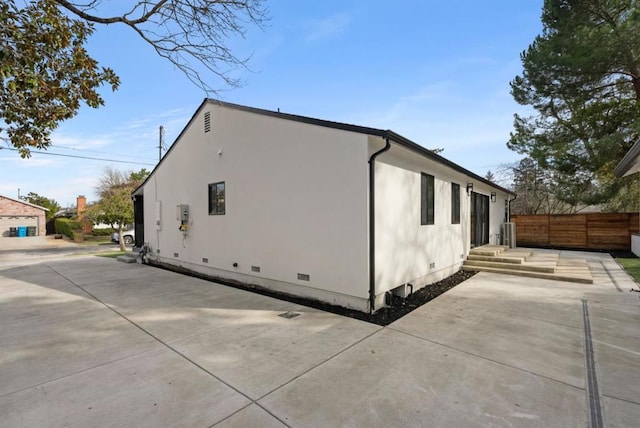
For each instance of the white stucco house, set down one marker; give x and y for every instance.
(323, 210)
(629, 165)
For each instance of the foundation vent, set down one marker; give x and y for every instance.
(432, 265)
(303, 277)
(176, 255)
(205, 260)
(255, 268)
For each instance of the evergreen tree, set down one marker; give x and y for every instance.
(582, 77)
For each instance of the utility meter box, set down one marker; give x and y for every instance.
(182, 213)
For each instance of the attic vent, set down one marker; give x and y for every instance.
(207, 121)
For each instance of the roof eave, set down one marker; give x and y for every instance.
(629, 163)
(442, 160)
(335, 125)
(26, 203)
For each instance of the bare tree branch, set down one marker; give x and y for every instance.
(191, 34)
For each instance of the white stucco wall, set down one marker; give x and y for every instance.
(296, 202)
(406, 251)
(635, 244)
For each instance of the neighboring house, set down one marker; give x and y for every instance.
(324, 210)
(630, 164)
(17, 213)
(77, 213)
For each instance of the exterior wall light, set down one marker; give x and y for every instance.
(493, 196)
(469, 188)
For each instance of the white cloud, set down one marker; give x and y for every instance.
(34, 161)
(135, 140)
(326, 28)
(63, 178)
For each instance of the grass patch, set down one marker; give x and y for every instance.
(97, 239)
(632, 266)
(111, 254)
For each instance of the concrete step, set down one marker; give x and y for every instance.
(488, 250)
(502, 258)
(517, 252)
(581, 279)
(545, 268)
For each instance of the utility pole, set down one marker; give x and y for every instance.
(18, 193)
(160, 143)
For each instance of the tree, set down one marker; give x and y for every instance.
(534, 188)
(46, 73)
(42, 201)
(628, 199)
(490, 176)
(115, 206)
(582, 76)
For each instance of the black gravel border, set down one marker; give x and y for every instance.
(398, 308)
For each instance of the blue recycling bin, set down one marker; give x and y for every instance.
(22, 231)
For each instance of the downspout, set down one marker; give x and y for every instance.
(509, 207)
(372, 224)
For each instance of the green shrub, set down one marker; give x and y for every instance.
(66, 227)
(103, 232)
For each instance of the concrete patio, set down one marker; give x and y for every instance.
(86, 341)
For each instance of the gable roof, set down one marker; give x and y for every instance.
(25, 203)
(630, 163)
(391, 135)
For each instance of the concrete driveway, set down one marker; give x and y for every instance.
(88, 341)
(34, 249)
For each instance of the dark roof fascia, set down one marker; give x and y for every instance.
(628, 160)
(336, 125)
(429, 154)
(25, 203)
(304, 119)
(205, 101)
(370, 131)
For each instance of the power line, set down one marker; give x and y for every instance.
(81, 157)
(99, 152)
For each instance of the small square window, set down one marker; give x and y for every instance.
(216, 198)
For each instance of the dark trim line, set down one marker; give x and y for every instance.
(341, 126)
(628, 161)
(372, 225)
(397, 138)
(195, 114)
(509, 207)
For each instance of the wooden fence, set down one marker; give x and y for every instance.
(594, 231)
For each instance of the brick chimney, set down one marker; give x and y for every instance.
(81, 205)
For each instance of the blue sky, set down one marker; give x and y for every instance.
(436, 72)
